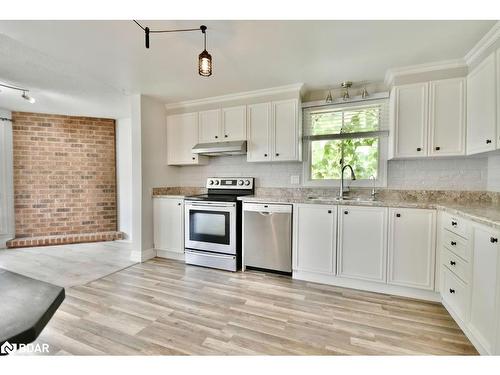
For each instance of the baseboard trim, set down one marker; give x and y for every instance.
(170, 254)
(143, 256)
(427, 295)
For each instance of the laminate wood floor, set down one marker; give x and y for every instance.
(165, 307)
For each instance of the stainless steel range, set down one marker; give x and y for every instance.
(213, 223)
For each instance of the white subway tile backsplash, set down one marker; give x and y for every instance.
(466, 173)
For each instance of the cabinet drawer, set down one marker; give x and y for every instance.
(456, 225)
(455, 264)
(456, 244)
(454, 293)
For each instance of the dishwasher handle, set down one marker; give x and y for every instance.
(267, 208)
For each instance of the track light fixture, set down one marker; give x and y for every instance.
(204, 59)
(24, 94)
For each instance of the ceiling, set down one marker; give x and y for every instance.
(90, 67)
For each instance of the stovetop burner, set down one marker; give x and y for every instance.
(225, 189)
(213, 197)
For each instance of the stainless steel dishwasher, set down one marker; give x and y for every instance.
(267, 236)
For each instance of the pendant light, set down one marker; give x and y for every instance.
(204, 59)
(24, 94)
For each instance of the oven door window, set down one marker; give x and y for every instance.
(209, 226)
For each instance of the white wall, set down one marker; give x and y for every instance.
(124, 176)
(7, 222)
(466, 173)
(155, 171)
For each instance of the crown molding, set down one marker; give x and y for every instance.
(484, 43)
(297, 87)
(392, 73)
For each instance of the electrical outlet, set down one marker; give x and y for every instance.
(295, 180)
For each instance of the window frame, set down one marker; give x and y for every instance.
(383, 149)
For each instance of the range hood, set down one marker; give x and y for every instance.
(221, 148)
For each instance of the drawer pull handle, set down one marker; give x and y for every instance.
(419, 149)
(398, 215)
(454, 223)
(493, 239)
(329, 211)
(346, 212)
(452, 291)
(453, 243)
(453, 263)
(438, 148)
(488, 141)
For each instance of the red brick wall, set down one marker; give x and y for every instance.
(64, 174)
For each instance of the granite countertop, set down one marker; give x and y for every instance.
(485, 213)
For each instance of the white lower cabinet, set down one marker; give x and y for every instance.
(168, 224)
(412, 244)
(315, 230)
(484, 309)
(362, 244)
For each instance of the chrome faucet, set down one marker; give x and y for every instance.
(353, 177)
(374, 191)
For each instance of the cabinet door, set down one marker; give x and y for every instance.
(362, 243)
(410, 117)
(315, 226)
(182, 135)
(209, 126)
(234, 123)
(498, 107)
(481, 107)
(447, 117)
(285, 134)
(168, 224)
(259, 126)
(483, 309)
(412, 244)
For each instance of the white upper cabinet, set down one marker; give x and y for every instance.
(412, 243)
(168, 222)
(209, 126)
(447, 117)
(315, 238)
(273, 132)
(362, 250)
(484, 310)
(182, 136)
(498, 103)
(410, 118)
(482, 107)
(258, 132)
(234, 123)
(285, 136)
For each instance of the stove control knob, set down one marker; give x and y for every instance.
(247, 182)
(216, 182)
(240, 182)
(211, 182)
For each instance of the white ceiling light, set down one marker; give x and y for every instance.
(24, 94)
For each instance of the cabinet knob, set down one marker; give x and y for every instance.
(225, 135)
(346, 212)
(329, 211)
(453, 243)
(488, 141)
(178, 204)
(194, 158)
(452, 291)
(277, 154)
(398, 215)
(216, 136)
(438, 148)
(419, 149)
(493, 239)
(453, 263)
(265, 155)
(454, 223)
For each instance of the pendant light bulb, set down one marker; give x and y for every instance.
(204, 59)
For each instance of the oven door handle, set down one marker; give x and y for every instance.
(209, 205)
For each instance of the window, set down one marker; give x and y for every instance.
(353, 133)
